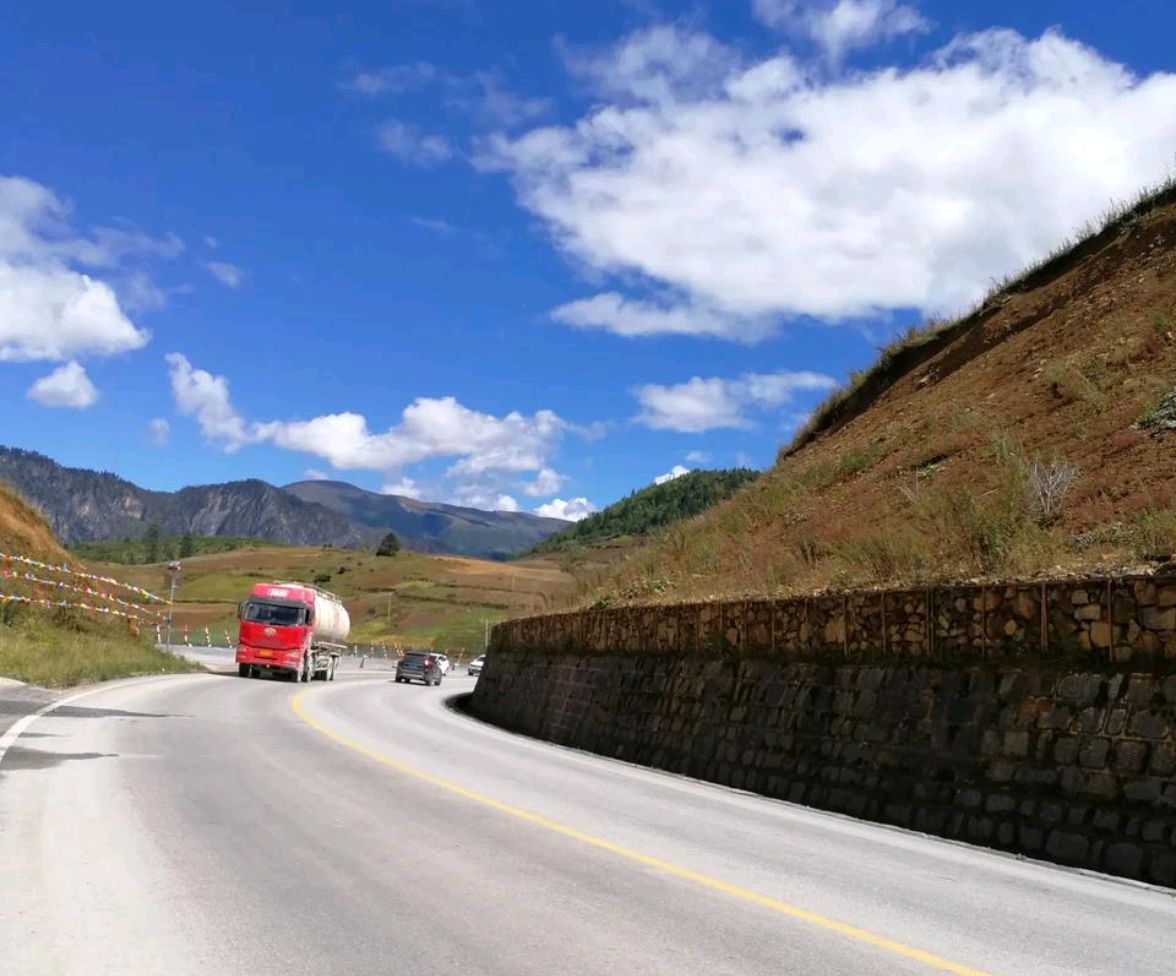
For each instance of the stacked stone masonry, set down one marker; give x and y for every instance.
(1030, 717)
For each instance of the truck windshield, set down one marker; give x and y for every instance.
(274, 613)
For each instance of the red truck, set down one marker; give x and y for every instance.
(291, 629)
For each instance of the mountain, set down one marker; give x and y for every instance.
(1033, 435)
(652, 508)
(431, 526)
(84, 506)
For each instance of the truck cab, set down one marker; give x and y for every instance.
(276, 631)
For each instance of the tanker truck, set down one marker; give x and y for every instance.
(291, 629)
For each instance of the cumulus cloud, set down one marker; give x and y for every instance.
(547, 482)
(481, 443)
(706, 404)
(506, 503)
(570, 509)
(675, 472)
(410, 145)
(759, 190)
(159, 431)
(227, 274)
(66, 386)
(50, 308)
(197, 393)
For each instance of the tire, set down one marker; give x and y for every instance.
(243, 671)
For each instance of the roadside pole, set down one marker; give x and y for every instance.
(174, 570)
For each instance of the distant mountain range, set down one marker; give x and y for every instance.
(430, 526)
(82, 505)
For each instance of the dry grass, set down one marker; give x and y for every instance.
(24, 531)
(920, 343)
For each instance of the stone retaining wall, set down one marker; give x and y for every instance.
(1037, 718)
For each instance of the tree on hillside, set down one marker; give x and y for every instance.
(187, 545)
(389, 545)
(151, 543)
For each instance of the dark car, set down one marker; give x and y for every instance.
(420, 666)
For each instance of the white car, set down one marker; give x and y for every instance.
(443, 660)
(475, 666)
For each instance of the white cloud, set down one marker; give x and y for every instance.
(66, 386)
(660, 64)
(706, 404)
(506, 503)
(199, 394)
(211, 242)
(410, 145)
(839, 26)
(159, 431)
(405, 487)
(428, 428)
(547, 482)
(627, 317)
(227, 274)
(50, 310)
(697, 457)
(314, 474)
(758, 191)
(571, 509)
(675, 472)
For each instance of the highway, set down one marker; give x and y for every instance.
(212, 825)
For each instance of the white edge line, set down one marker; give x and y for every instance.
(18, 728)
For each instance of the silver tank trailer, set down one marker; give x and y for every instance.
(332, 623)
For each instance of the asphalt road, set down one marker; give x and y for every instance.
(213, 825)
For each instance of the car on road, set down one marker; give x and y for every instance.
(419, 666)
(444, 661)
(475, 666)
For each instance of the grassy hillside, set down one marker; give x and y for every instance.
(445, 601)
(651, 508)
(1032, 436)
(60, 648)
(130, 551)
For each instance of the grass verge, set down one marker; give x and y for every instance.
(59, 650)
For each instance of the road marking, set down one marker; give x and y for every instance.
(17, 728)
(666, 867)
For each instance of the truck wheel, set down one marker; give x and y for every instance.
(243, 670)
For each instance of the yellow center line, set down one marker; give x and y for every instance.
(648, 860)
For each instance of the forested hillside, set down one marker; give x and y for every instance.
(652, 507)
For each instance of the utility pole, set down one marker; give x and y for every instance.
(485, 634)
(174, 570)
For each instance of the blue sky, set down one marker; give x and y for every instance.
(527, 255)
